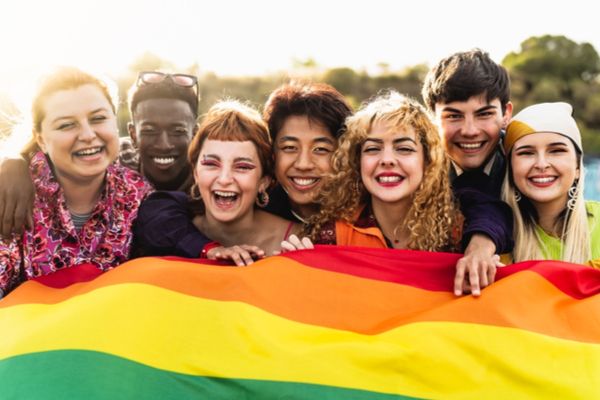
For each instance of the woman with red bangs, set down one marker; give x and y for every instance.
(232, 165)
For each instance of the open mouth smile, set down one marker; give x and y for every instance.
(389, 179)
(92, 151)
(304, 183)
(470, 147)
(542, 181)
(163, 160)
(224, 199)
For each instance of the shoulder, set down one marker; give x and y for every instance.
(166, 200)
(127, 180)
(269, 220)
(593, 210)
(593, 207)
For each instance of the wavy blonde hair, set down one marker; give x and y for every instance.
(573, 224)
(433, 215)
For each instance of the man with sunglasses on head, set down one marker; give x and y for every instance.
(164, 109)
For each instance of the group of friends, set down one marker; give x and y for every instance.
(460, 174)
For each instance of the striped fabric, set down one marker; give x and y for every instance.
(330, 323)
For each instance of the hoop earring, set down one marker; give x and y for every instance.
(262, 199)
(573, 193)
(518, 196)
(195, 192)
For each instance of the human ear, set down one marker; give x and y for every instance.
(132, 133)
(39, 140)
(508, 110)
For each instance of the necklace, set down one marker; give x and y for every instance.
(395, 238)
(299, 218)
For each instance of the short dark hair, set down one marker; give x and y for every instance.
(166, 89)
(320, 102)
(464, 75)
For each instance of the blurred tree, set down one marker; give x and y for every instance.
(344, 79)
(556, 57)
(554, 68)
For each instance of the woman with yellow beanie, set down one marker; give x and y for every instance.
(544, 186)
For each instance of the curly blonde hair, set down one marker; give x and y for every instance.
(433, 217)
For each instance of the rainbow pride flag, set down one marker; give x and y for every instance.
(330, 323)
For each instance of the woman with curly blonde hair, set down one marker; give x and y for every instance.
(389, 186)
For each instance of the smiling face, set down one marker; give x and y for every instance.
(391, 164)
(162, 130)
(544, 167)
(79, 133)
(471, 129)
(229, 177)
(303, 150)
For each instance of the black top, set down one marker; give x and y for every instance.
(479, 197)
(164, 227)
(279, 204)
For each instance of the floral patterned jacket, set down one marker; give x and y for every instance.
(53, 243)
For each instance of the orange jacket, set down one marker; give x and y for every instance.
(347, 234)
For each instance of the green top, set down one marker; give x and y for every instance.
(553, 245)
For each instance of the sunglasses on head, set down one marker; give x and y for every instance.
(184, 80)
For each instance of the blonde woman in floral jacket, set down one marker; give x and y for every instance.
(84, 203)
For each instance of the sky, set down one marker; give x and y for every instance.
(238, 37)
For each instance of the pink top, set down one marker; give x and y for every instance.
(53, 243)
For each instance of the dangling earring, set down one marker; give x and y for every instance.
(518, 195)
(572, 193)
(356, 188)
(195, 192)
(262, 199)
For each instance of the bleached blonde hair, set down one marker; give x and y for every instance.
(573, 224)
(433, 216)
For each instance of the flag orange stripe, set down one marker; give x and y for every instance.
(329, 299)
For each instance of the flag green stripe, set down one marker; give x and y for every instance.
(89, 375)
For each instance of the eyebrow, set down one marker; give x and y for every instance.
(395, 141)
(528, 146)
(237, 159)
(246, 159)
(320, 139)
(288, 138)
(456, 110)
(71, 116)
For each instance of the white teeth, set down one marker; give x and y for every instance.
(88, 152)
(225, 194)
(304, 181)
(386, 179)
(470, 146)
(163, 160)
(544, 180)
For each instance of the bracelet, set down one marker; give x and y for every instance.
(209, 246)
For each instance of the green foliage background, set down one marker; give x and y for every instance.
(546, 68)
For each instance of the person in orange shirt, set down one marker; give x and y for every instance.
(390, 186)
